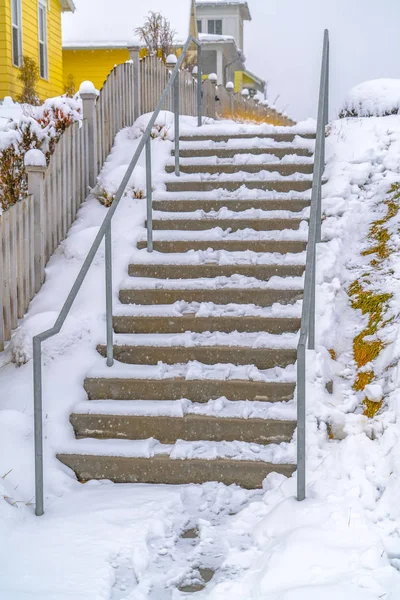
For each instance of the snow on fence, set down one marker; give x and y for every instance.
(33, 228)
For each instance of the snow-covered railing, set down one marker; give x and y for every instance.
(307, 331)
(104, 233)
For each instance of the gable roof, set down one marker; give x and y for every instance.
(243, 5)
(105, 24)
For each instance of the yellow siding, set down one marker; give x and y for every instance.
(9, 83)
(93, 65)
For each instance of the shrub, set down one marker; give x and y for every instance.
(28, 75)
(157, 35)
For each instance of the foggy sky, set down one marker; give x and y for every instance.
(283, 45)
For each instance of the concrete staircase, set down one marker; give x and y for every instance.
(206, 329)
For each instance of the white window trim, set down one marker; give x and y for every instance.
(216, 19)
(19, 29)
(42, 5)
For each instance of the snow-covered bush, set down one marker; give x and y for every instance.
(39, 127)
(377, 98)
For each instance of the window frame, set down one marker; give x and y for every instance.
(16, 26)
(214, 21)
(43, 41)
(200, 23)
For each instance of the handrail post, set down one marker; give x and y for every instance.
(301, 422)
(176, 111)
(199, 87)
(149, 197)
(109, 318)
(38, 425)
(321, 125)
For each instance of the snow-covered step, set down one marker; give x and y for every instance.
(226, 137)
(185, 270)
(183, 323)
(192, 150)
(259, 295)
(162, 469)
(235, 182)
(235, 224)
(283, 168)
(190, 427)
(265, 357)
(107, 385)
(176, 203)
(227, 242)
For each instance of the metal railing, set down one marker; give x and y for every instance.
(307, 331)
(105, 232)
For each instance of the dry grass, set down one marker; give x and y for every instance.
(366, 347)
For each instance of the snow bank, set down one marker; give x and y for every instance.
(377, 98)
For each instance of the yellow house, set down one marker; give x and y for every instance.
(97, 36)
(32, 28)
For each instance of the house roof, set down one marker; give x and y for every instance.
(244, 7)
(67, 5)
(105, 24)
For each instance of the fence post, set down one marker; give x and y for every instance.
(35, 167)
(89, 95)
(135, 58)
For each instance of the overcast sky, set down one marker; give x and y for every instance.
(283, 44)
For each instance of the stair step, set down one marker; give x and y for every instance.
(224, 295)
(285, 169)
(230, 245)
(209, 185)
(207, 270)
(161, 469)
(191, 427)
(232, 224)
(279, 152)
(262, 358)
(190, 205)
(196, 390)
(190, 322)
(276, 137)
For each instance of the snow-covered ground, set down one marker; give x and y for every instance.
(102, 541)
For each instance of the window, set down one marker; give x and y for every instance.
(16, 32)
(43, 39)
(215, 26)
(200, 26)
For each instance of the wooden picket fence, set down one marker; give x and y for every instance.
(32, 229)
(154, 76)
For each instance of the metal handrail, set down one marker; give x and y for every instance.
(105, 232)
(307, 330)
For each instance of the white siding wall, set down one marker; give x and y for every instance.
(232, 23)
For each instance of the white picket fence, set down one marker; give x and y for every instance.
(33, 228)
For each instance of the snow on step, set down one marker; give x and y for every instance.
(209, 339)
(225, 213)
(273, 453)
(233, 282)
(244, 159)
(219, 257)
(217, 233)
(220, 407)
(209, 309)
(192, 370)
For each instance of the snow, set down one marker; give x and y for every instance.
(87, 87)
(102, 541)
(34, 158)
(99, 23)
(373, 99)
